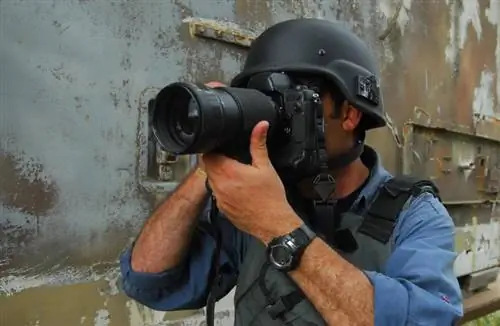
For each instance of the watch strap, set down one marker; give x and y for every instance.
(303, 236)
(295, 243)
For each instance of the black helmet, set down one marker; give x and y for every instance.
(323, 48)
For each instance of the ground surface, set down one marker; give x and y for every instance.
(485, 302)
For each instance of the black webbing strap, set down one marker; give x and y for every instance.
(215, 277)
(285, 303)
(381, 217)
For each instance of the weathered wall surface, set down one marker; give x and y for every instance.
(76, 181)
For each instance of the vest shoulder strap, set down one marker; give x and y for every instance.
(381, 217)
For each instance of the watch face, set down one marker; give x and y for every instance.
(280, 256)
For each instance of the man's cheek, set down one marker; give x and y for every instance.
(331, 141)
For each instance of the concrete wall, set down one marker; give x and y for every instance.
(75, 78)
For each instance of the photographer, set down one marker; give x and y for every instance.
(377, 251)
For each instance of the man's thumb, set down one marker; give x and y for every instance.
(258, 145)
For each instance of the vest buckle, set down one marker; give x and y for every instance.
(276, 309)
(285, 304)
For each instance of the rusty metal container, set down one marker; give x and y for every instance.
(79, 172)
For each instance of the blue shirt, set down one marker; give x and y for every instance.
(417, 287)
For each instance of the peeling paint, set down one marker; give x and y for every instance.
(216, 24)
(26, 187)
(478, 246)
(463, 15)
(13, 284)
(394, 131)
(484, 102)
(493, 15)
(101, 318)
(464, 156)
(470, 15)
(451, 51)
(222, 318)
(388, 8)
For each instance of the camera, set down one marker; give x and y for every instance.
(189, 118)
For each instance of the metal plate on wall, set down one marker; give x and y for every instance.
(464, 166)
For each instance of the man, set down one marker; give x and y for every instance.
(353, 265)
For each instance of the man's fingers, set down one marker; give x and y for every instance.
(211, 160)
(258, 144)
(214, 84)
(218, 164)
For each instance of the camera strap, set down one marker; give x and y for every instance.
(324, 183)
(215, 277)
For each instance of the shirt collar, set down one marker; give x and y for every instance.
(378, 176)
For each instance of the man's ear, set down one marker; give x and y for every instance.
(351, 117)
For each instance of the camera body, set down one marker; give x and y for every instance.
(189, 119)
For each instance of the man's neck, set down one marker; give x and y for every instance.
(350, 178)
(347, 179)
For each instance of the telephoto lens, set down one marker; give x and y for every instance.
(189, 118)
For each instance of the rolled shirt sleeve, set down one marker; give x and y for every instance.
(418, 286)
(186, 286)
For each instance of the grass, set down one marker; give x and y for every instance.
(489, 320)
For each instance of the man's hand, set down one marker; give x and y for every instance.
(251, 196)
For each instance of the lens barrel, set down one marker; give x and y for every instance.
(189, 118)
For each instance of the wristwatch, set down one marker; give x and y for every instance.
(284, 252)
